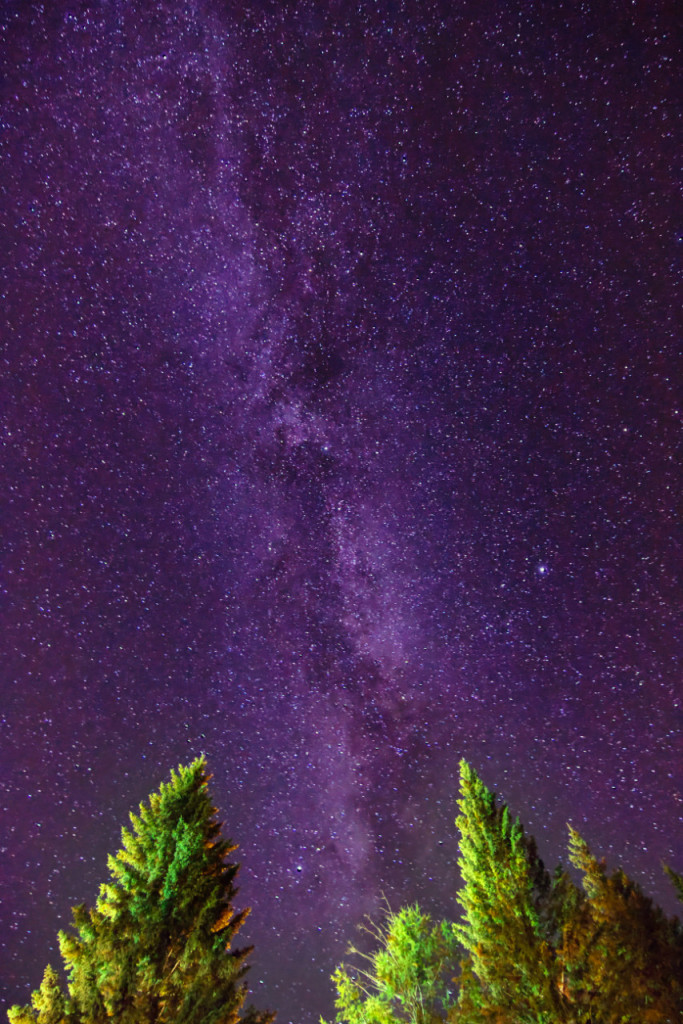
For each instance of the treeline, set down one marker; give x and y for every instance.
(528, 947)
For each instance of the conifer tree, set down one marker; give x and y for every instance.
(511, 973)
(47, 1003)
(622, 957)
(156, 946)
(676, 881)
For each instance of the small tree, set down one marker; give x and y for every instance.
(406, 979)
(156, 946)
(47, 1003)
(676, 881)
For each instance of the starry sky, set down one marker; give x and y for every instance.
(338, 419)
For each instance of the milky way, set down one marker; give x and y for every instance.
(338, 396)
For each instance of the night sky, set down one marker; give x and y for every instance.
(338, 407)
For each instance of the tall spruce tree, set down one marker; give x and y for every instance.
(506, 925)
(156, 948)
(622, 958)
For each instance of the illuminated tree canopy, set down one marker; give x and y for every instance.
(529, 948)
(157, 946)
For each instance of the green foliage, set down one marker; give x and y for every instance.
(676, 881)
(538, 950)
(507, 918)
(156, 948)
(622, 959)
(47, 1004)
(405, 979)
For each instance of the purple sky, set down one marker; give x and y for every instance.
(338, 409)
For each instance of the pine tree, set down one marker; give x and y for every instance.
(676, 881)
(511, 974)
(48, 1003)
(406, 979)
(156, 946)
(622, 957)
